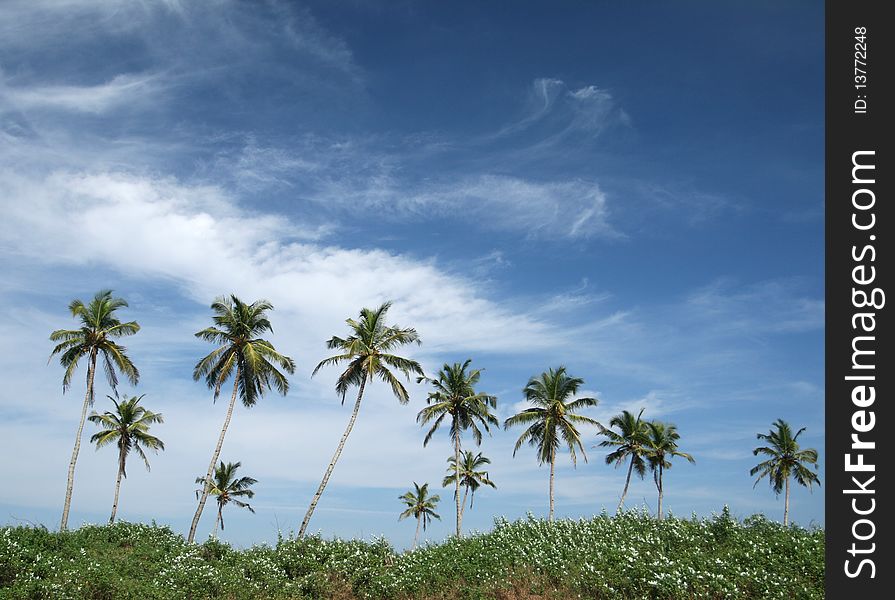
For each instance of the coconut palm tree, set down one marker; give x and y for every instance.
(253, 363)
(471, 478)
(552, 419)
(661, 447)
(128, 428)
(421, 506)
(787, 461)
(455, 397)
(227, 488)
(367, 350)
(629, 441)
(94, 340)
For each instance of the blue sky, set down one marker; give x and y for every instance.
(632, 191)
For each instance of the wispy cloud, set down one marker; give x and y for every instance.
(131, 91)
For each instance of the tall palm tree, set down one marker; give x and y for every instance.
(128, 427)
(252, 361)
(552, 418)
(421, 506)
(471, 477)
(787, 461)
(661, 447)
(629, 441)
(94, 339)
(367, 352)
(455, 397)
(227, 488)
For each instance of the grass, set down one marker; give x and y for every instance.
(628, 557)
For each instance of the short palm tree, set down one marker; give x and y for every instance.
(368, 354)
(552, 419)
(128, 428)
(421, 506)
(227, 488)
(455, 398)
(253, 363)
(628, 442)
(469, 473)
(786, 461)
(94, 339)
(661, 447)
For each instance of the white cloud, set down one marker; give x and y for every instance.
(120, 91)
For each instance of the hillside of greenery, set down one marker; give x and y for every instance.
(632, 556)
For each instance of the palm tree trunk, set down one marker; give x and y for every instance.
(214, 460)
(786, 505)
(121, 458)
(457, 482)
(659, 486)
(416, 536)
(465, 493)
(625, 491)
(335, 458)
(219, 519)
(88, 400)
(552, 469)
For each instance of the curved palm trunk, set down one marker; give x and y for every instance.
(457, 483)
(659, 487)
(466, 493)
(335, 458)
(88, 400)
(552, 470)
(214, 460)
(219, 519)
(625, 491)
(416, 536)
(786, 505)
(121, 458)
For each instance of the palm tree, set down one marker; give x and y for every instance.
(421, 506)
(552, 418)
(455, 397)
(99, 326)
(367, 352)
(661, 447)
(470, 476)
(252, 361)
(786, 461)
(128, 427)
(629, 441)
(227, 488)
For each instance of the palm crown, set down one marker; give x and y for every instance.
(552, 417)
(455, 397)
(128, 427)
(420, 505)
(470, 473)
(228, 488)
(99, 326)
(368, 353)
(253, 359)
(662, 445)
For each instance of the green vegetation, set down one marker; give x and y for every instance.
(628, 557)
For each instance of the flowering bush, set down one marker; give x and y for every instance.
(628, 557)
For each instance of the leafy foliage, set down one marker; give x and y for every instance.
(628, 557)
